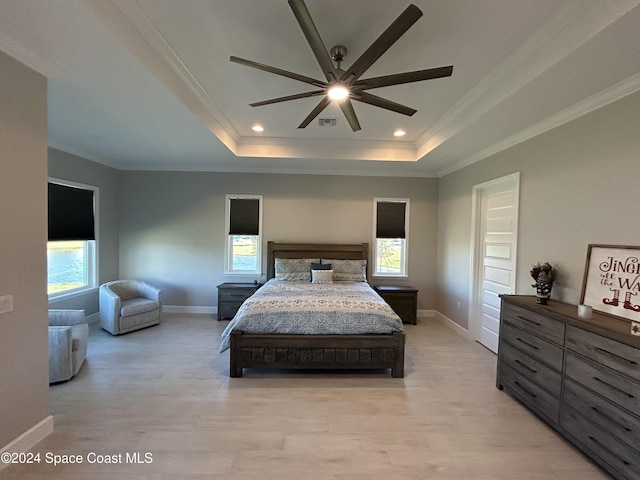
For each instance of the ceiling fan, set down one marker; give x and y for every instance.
(346, 85)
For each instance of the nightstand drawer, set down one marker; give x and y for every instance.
(229, 309)
(403, 301)
(236, 295)
(231, 296)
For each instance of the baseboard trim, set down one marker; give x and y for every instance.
(93, 318)
(447, 322)
(29, 439)
(426, 313)
(198, 310)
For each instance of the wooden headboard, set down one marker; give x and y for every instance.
(344, 251)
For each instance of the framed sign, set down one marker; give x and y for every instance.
(612, 280)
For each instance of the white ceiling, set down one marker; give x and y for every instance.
(147, 84)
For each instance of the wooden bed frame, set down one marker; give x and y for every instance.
(324, 352)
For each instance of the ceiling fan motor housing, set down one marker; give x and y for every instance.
(338, 54)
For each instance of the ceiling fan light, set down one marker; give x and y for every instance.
(338, 92)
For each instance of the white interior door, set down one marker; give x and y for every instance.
(496, 234)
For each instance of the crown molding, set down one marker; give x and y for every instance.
(599, 100)
(571, 27)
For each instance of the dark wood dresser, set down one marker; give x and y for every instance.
(403, 300)
(580, 376)
(231, 296)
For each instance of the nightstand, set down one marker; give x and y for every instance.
(231, 296)
(403, 301)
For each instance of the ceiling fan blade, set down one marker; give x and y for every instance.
(287, 98)
(278, 71)
(313, 38)
(350, 114)
(401, 24)
(365, 97)
(324, 103)
(408, 77)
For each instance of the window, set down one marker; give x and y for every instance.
(391, 227)
(244, 238)
(71, 249)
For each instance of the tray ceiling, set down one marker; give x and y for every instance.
(148, 84)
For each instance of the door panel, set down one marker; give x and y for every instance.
(495, 252)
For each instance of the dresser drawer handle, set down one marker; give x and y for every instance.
(525, 390)
(527, 343)
(618, 357)
(606, 449)
(613, 387)
(527, 367)
(528, 320)
(610, 419)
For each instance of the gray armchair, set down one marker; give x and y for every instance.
(68, 334)
(128, 305)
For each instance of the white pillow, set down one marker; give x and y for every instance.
(321, 276)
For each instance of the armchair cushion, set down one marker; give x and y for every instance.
(138, 305)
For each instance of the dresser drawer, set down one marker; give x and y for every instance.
(620, 357)
(529, 393)
(536, 372)
(608, 383)
(622, 425)
(540, 325)
(533, 346)
(620, 459)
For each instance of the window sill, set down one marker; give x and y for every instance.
(391, 277)
(76, 293)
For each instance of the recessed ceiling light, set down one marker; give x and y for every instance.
(257, 128)
(399, 133)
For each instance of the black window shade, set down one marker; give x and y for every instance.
(244, 216)
(71, 215)
(390, 219)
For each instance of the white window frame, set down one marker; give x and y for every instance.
(91, 246)
(228, 264)
(404, 265)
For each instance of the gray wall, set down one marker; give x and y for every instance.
(65, 166)
(24, 373)
(172, 224)
(578, 185)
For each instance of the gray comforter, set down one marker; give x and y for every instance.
(298, 307)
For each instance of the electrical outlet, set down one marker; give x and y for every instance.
(635, 328)
(6, 304)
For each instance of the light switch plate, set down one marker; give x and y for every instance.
(6, 304)
(635, 328)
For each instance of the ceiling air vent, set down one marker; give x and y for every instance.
(327, 122)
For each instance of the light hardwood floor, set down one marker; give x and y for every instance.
(165, 390)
